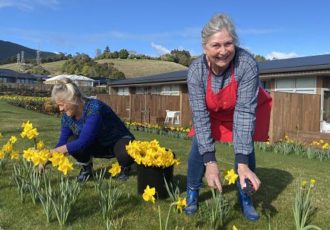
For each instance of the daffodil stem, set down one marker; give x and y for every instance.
(160, 218)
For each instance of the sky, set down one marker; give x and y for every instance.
(273, 29)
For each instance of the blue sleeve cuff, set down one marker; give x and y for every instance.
(209, 156)
(241, 158)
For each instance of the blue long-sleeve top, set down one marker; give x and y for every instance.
(98, 124)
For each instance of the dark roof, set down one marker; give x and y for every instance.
(13, 74)
(310, 63)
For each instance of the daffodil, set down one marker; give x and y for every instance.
(234, 228)
(28, 153)
(231, 176)
(40, 144)
(151, 154)
(29, 131)
(312, 183)
(149, 194)
(8, 147)
(56, 158)
(14, 155)
(115, 169)
(303, 183)
(2, 154)
(180, 204)
(12, 139)
(40, 157)
(65, 166)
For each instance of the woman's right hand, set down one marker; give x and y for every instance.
(212, 176)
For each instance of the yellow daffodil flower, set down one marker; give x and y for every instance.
(2, 154)
(312, 183)
(115, 169)
(12, 139)
(14, 155)
(180, 204)
(8, 147)
(231, 176)
(56, 158)
(40, 144)
(234, 228)
(149, 194)
(65, 166)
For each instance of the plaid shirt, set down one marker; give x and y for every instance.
(247, 75)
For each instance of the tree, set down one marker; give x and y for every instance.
(106, 53)
(182, 57)
(123, 54)
(259, 58)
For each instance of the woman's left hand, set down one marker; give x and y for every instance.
(244, 172)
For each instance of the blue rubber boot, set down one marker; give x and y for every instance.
(247, 206)
(192, 202)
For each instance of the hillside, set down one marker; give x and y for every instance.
(138, 67)
(130, 67)
(10, 50)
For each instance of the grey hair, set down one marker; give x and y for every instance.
(66, 90)
(216, 24)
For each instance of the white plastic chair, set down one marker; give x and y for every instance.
(172, 117)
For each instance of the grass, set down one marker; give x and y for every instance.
(278, 173)
(130, 67)
(135, 68)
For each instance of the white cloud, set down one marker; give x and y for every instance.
(160, 49)
(280, 55)
(27, 5)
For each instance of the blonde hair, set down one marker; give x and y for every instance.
(67, 91)
(216, 24)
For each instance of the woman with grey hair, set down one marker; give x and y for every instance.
(90, 128)
(228, 105)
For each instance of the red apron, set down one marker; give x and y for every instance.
(221, 107)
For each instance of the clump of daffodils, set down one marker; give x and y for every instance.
(150, 153)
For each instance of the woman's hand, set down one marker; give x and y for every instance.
(212, 176)
(244, 172)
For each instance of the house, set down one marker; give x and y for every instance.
(300, 88)
(78, 79)
(11, 76)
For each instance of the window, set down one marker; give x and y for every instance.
(296, 85)
(123, 91)
(170, 90)
(141, 90)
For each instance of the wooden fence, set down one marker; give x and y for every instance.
(296, 115)
(148, 108)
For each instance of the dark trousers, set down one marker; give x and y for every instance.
(118, 150)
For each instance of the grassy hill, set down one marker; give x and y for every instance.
(130, 67)
(134, 68)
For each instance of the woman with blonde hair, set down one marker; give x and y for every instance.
(90, 128)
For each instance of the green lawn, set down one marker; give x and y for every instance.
(278, 173)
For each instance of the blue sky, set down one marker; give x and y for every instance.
(278, 28)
